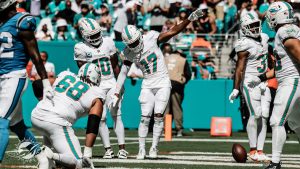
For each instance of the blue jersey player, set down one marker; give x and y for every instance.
(17, 46)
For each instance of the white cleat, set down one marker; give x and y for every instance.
(122, 154)
(141, 155)
(253, 157)
(263, 157)
(108, 154)
(153, 152)
(42, 160)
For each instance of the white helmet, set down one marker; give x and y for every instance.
(90, 74)
(250, 26)
(6, 3)
(279, 13)
(90, 31)
(132, 38)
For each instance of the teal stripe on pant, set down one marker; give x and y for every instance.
(289, 102)
(249, 100)
(70, 143)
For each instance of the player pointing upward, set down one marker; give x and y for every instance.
(144, 51)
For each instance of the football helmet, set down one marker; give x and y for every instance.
(132, 37)
(279, 13)
(6, 3)
(90, 31)
(90, 74)
(250, 26)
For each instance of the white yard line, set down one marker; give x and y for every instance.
(130, 161)
(221, 153)
(187, 140)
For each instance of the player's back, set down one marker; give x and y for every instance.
(13, 55)
(73, 98)
(257, 59)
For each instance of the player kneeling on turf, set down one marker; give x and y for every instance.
(75, 96)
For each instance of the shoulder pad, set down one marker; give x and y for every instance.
(288, 31)
(79, 53)
(26, 22)
(242, 45)
(65, 73)
(151, 35)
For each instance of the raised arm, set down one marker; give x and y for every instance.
(164, 37)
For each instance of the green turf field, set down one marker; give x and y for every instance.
(194, 150)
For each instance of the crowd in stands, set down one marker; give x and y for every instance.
(58, 20)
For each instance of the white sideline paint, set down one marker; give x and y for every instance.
(187, 140)
(185, 162)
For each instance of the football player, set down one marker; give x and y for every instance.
(18, 45)
(252, 52)
(144, 51)
(287, 52)
(75, 97)
(102, 51)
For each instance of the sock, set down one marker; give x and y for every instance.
(262, 132)
(104, 133)
(119, 129)
(143, 131)
(278, 140)
(24, 133)
(157, 129)
(252, 131)
(4, 134)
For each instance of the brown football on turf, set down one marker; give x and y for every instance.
(239, 153)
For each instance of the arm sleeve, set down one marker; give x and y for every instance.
(26, 23)
(121, 78)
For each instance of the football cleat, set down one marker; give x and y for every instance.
(141, 155)
(122, 154)
(253, 157)
(263, 157)
(274, 166)
(153, 152)
(108, 154)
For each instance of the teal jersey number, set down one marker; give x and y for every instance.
(75, 92)
(263, 61)
(105, 66)
(151, 58)
(278, 65)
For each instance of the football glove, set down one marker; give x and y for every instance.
(233, 95)
(195, 15)
(114, 101)
(263, 86)
(48, 91)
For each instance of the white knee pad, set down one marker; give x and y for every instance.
(147, 101)
(161, 100)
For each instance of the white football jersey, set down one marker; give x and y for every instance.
(151, 62)
(100, 56)
(285, 67)
(72, 100)
(257, 61)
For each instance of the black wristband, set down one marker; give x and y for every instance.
(93, 124)
(263, 77)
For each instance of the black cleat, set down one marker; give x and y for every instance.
(274, 166)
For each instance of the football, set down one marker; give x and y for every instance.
(239, 153)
